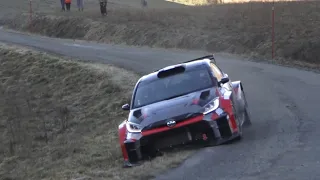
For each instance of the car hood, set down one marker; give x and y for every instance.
(178, 109)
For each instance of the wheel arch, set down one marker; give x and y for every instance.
(236, 85)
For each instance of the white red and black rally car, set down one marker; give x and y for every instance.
(190, 102)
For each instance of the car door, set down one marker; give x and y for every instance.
(227, 87)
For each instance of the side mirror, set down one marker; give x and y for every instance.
(126, 107)
(224, 80)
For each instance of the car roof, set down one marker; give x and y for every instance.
(188, 65)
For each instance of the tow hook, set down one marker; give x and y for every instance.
(204, 137)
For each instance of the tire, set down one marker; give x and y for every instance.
(247, 120)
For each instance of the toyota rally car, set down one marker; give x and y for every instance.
(191, 102)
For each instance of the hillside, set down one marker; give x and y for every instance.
(59, 119)
(233, 28)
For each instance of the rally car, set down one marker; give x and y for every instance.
(194, 101)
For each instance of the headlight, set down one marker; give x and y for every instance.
(133, 127)
(211, 106)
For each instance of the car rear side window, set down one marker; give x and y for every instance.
(172, 86)
(216, 71)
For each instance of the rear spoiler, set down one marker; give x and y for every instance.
(211, 57)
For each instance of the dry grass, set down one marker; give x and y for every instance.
(59, 119)
(53, 6)
(234, 28)
(206, 2)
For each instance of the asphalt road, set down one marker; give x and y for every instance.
(283, 142)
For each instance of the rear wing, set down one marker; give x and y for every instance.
(211, 57)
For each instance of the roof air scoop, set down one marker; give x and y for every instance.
(170, 72)
(137, 113)
(204, 95)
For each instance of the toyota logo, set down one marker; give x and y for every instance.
(171, 123)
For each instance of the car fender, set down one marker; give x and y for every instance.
(238, 89)
(122, 132)
(225, 104)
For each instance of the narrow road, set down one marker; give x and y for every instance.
(283, 142)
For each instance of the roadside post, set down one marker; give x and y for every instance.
(273, 30)
(30, 12)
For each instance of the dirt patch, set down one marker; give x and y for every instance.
(240, 28)
(59, 119)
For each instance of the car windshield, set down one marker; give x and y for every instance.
(172, 86)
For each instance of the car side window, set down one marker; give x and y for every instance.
(216, 71)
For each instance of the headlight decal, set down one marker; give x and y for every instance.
(133, 127)
(211, 106)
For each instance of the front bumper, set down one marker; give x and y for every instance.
(204, 131)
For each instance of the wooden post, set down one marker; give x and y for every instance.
(30, 11)
(273, 51)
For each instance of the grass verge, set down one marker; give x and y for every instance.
(59, 119)
(233, 28)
